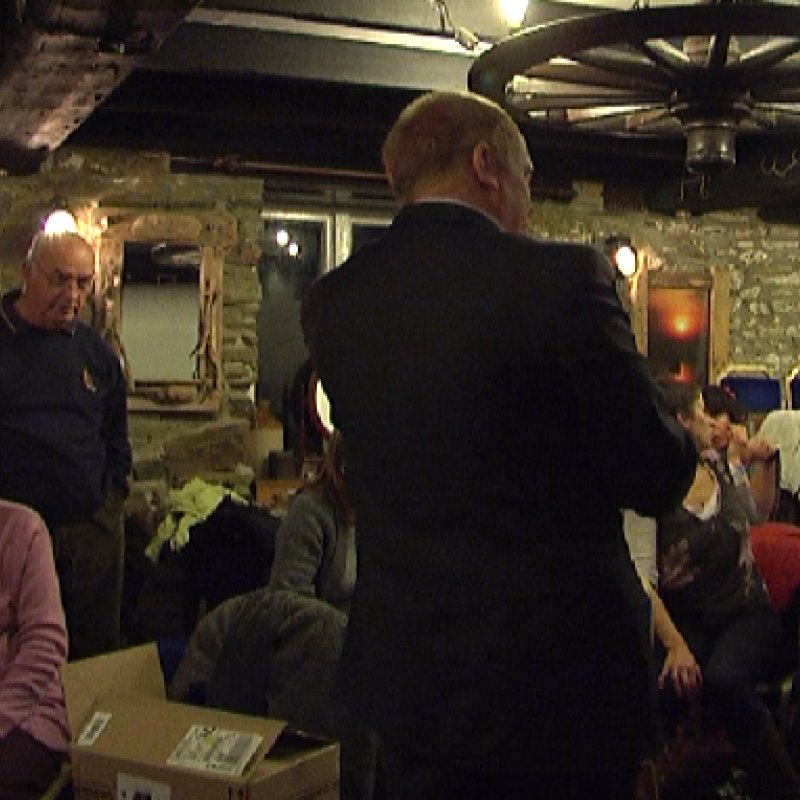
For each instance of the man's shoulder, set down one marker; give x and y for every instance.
(562, 262)
(555, 249)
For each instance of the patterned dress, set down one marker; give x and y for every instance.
(705, 563)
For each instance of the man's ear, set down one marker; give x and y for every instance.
(486, 165)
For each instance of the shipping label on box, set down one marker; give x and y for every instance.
(217, 750)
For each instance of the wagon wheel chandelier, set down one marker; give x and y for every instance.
(704, 72)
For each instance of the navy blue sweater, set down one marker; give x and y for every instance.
(63, 418)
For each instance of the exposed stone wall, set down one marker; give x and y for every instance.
(763, 260)
(91, 181)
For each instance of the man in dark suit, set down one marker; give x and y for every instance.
(497, 415)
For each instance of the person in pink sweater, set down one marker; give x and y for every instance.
(34, 732)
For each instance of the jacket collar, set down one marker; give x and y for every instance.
(447, 211)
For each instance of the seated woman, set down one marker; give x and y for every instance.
(315, 547)
(276, 650)
(752, 463)
(34, 733)
(717, 600)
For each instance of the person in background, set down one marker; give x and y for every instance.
(64, 432)
(752, 462)
(717, 599)
(34, 733)
(498, 637)
(315, 556)
(315, 547)
(782, 430)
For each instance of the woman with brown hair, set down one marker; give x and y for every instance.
(315, 549)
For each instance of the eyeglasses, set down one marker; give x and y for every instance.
(61, 280)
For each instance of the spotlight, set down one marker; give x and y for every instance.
(622, 255)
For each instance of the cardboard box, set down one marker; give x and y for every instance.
(130, 743)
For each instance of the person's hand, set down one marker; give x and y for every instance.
(682, 670)
(737, 446)
(757, 449)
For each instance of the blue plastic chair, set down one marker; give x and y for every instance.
(756, 390)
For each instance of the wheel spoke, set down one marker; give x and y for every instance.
(766, 56)
(627, 120)
(578, 70)
(622, 64)
(529, 94)
(777, 115)
(675, 63)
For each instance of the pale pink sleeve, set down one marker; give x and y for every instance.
(37, 639)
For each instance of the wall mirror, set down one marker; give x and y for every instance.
(159, 304)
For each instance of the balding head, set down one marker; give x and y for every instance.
(454, 144)
(57, 276)
(64, 241)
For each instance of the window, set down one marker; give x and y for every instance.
(298, 247)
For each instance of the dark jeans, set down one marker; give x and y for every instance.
(27, 767)
(734, 656)
(89, 560)
(410, 777)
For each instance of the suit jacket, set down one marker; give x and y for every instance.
(496, 416)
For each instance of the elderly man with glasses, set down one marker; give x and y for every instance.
(64, 432)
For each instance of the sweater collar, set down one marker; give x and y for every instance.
(14, 321)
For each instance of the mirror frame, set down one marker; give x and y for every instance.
(214, 233)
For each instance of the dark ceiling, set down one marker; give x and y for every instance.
(272, 87)
(238, 85)
(251, 87)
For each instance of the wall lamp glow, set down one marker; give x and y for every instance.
(622, 255)
(513, 12)
(60, 221)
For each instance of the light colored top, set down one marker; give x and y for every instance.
(33, 634)
(640, 534)
(782, 430)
